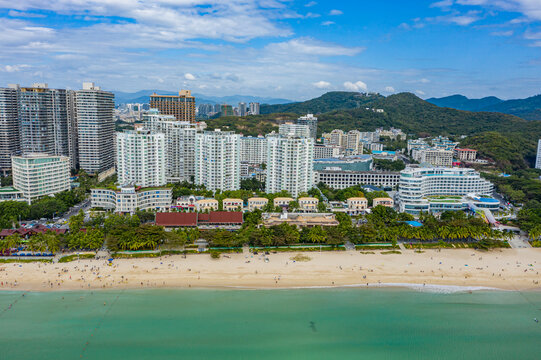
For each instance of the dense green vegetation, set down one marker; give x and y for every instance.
(530, 221)
(389, 165)
(508, 151)
(11, 212)
(522, 188)
(330, 101)
(250, 125)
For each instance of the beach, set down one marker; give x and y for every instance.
(508, 269)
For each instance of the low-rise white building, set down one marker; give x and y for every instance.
(39, 175)
(9, 193)
(232, 204)
(433, 156)
(128, 199)
(327, 151)
(339, 179)
(308, 204)
(206, 205)
(387, 202)
(465, 154)
(357, 205)
(257, 203)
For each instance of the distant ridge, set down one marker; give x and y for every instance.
(529, 109)
(142, 97)
(334, 100)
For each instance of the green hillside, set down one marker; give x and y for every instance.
(414, 115)
(330, 101)
(509, 140)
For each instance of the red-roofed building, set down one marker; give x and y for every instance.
(176, 219)
(222, 219)
(465, 154)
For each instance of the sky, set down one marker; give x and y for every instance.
(276, 48)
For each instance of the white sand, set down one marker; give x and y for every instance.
(504, 269)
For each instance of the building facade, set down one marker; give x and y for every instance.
(289, 164)
(432, 156)
(129, 199)
(417, 185)
(351, 163)
(253, 150)
(217, 160)
(311, 121)
(96, 129)
(10, 144)
(181, 106)
(179, 144)
(294, 130)
(254, 108)
(39, 175)
(339, 179)
(465, 154)
(141, 158)
(326, 151)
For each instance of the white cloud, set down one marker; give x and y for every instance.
(189, 76)
(310, 4)
(309, 46)
(357, 86)
(420, 92)
(530, 8)
(389, 89)
(322, 84)
(503, 33)
(335, 12)
(327, 23)
(442, 4)
(14, 68)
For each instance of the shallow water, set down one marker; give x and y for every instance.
(287, 324)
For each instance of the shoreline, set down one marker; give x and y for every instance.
(447, 270)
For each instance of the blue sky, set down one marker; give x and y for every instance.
(277, 48)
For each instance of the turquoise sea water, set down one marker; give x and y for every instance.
(276, 324)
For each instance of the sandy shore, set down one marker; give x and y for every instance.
(512, 269)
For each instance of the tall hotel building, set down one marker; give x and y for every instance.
(182, 107)
(179, 144)
(217, 160)
(77, 124)
(96, 128)
(141, 158)
(9, 128)
(290, 157)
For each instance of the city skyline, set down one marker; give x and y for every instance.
(288, 49)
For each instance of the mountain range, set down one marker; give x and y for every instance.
(529, 109)
(142, 96)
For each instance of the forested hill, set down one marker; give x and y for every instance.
(529, 109)
(330, 101)
(414, 116)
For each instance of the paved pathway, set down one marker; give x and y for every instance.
(519, 242)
